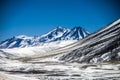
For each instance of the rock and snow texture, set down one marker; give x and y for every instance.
(56, 35)
(102, 46)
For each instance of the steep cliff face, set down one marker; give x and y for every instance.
(101, 46)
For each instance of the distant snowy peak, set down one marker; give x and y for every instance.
(57, 34)
(60, 33)
(54, 34)
(80, 31)
(16, 41)
(76, 33)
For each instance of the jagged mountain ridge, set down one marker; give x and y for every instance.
(102, 46)
(56, 34)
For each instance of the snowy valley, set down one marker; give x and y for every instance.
(63, 54)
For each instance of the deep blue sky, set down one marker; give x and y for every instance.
(36, 17)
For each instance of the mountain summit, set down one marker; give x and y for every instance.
(57, 34)
(54, 35)
(76, 33)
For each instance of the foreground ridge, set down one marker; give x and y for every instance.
(101, 46)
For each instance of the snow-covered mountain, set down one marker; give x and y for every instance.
(56, 35)
(76, 33)
(102, 46)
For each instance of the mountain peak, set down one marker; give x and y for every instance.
(78, 28)
(78, 33)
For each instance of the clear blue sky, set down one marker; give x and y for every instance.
(36, 17)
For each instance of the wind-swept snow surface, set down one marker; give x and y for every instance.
(59, 71)
(37, 50)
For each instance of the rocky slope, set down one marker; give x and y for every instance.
(101, 46)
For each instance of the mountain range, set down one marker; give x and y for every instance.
(101, 46)
(56, 35)
(94, 57)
